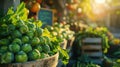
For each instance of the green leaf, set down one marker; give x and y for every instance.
(10, 11)
(117, 53)
(20, 8)
(38, 23)
(118, 60)
(63, 55)
(105, 50)
(21, 12)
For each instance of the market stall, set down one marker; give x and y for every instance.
(59, 33)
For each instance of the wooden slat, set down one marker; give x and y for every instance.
(91, 47)
(92, 40)
(94, 54)
(91, 43)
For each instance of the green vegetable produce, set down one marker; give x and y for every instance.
(4, 30)
(20, 23)
(25, 39)
(14, 47)
(42, 40)
(35, 41)
(39, 47)
(17, 41)
(24, 29)
(38, 32)
(31, 26)
(7, 57)
(26, 48)
(47, 40)
(34, 54)
(3, 49)
(11, 27)
(44, 55)
(4, 42)
(21, 57)
(16, 34)
(46, 48)
(30, 34)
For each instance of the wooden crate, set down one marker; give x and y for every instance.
(93, 48)
(46, 62)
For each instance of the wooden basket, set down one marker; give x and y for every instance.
(46, 62)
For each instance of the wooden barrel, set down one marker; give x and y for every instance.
(46, 62)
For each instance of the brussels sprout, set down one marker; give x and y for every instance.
(21, 57)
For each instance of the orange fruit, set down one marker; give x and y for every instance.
(35, 7)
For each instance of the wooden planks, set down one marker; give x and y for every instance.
(94, 54)
(93, 48)
(92, 40)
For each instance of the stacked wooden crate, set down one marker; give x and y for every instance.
(93, 48)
